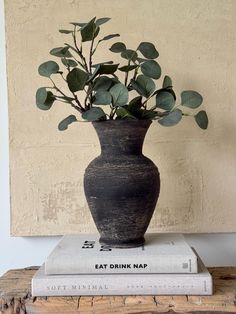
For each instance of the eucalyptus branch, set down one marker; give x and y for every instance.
(90, 55)
(79, 51)
(127, 74)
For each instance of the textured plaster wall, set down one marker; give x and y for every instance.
(196, 41)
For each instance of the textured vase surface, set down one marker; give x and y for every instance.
(122, 185)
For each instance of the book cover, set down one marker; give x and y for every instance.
(83, 254)
(122, 284)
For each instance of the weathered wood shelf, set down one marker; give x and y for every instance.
(15, 297)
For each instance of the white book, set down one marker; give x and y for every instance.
(83, 254)
(122, 284)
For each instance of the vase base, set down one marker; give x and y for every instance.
(122, 244)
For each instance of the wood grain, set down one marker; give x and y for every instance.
(15, 298)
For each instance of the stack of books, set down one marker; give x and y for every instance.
(165, 265)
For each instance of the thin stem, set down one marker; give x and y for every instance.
(127, 74)
(90, 56)
(79, 51)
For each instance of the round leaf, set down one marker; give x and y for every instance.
(61, 52)
(69, 62)
(107, 68)
(202, 119)
(118, 47)
(102, 98)
(44, 99)
(151, 69)
(148, 50)
(48, 68)
(119, 94)
(165, 100)
(129, 55)
(63, 125)
(94, 114)
(76, 79)
(191, 99)
(102, 83)
(172, 118)
(143, 85)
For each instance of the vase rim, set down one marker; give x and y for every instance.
(123, 121)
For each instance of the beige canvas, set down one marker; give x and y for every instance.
(197, 46)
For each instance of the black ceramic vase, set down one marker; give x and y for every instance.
(122, 185)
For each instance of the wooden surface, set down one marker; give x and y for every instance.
(15, 297)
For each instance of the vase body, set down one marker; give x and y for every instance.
(121, 185)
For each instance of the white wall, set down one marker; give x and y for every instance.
(215, 249)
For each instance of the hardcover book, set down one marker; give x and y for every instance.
(122, 284)
(83, 254)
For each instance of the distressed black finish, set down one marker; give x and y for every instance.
(122, 185)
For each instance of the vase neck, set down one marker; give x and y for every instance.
(121, 137)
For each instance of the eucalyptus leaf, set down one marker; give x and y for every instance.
(151, 69)
(118, 47)
(107, 68)
(202, 119)
(65, 31)
(167, 82)
(63, 125)
(102, 83)
(88, 30)
(109, 37)
(165, 100)
(78, 24)
(44, 99)
(119, 94)
(69, 62)
(123, 113)
(106, 62)
(102, 98)
(96, 32)
(94, 114)
(76, 79)
(143, 85)
(148, 50)
(102, 20)
(129, 54)
(172, 118)
(191, 99)
(135, 104)
(48, 68)
(61, 52)
(127, 68)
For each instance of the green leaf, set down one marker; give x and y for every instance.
(118, 47)
(149, 114)
(78, 24)
(102, 98)
(167, 82)
(107, 68)
(97, 30)
(48, 68)
(63, 125)
(151, 69)
(109, 37)
(191, 99)
(94, 114)
(106, 62)
(202, 119)
(129, 55)
(135, 104)
(69, 62)
(128, 68)
(102, 83)
(123, 113)
(102, 20)
(165, 100)
(88, 30)
(172, 118)
(148, 50)
(44, 99)
(119, 94)
(61, 52)
(76, 79)
(65, 31)
(143, 85)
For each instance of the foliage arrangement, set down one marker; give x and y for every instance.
(102, 86)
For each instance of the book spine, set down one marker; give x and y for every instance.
(167, 264)
(122, 285)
